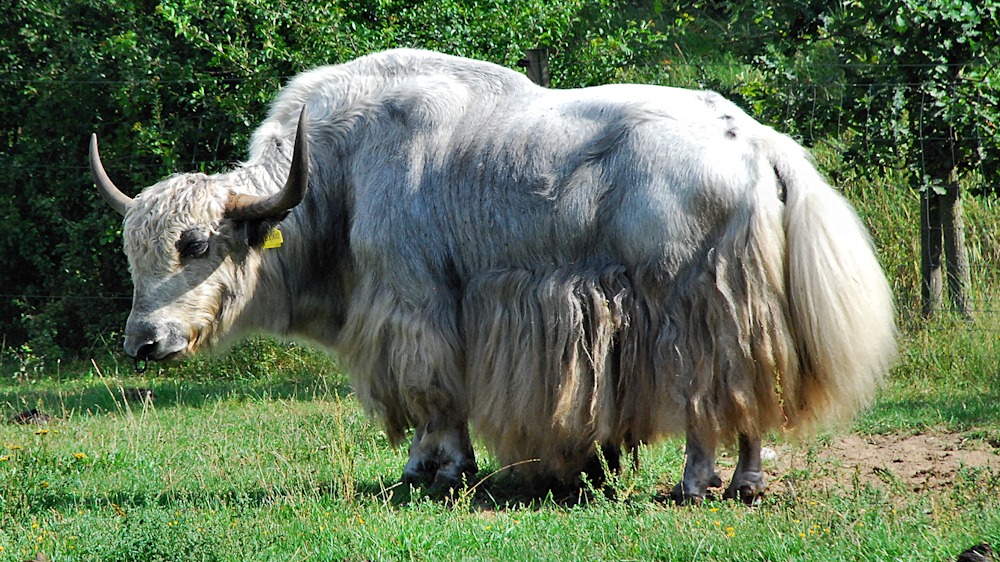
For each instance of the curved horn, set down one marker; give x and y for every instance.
(249, 207)
(118, 200)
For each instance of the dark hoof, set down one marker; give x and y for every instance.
(455, 476)
(28, 417)
(695, 495)
(982, 552)
(748, 488)
(423, 473)
(689, 497)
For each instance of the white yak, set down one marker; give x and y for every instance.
(566, 271)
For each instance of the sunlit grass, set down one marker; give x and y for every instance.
(228, 467)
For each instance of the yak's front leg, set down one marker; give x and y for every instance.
(748, 482)
(441, 454)
(699, 469)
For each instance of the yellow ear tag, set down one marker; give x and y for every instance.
(273, 239)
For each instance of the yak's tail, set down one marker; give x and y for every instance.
(840, 303)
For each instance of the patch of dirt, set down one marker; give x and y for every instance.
(918, 463)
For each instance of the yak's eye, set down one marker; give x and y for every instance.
(192, 244)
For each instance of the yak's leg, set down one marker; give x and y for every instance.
(421, 466)
(441, 453)
(748, 482)
(699, 469)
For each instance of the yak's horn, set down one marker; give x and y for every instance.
(118, 200)
(249, 207)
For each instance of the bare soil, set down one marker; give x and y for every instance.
(918, 463)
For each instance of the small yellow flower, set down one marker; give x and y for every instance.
(730, 532)
(42, 431)
(44, 484)
(79, 456)
(5, 458)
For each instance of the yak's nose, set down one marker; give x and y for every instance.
(144, 351)
(140, 339)
(144, 341)
(140, 348)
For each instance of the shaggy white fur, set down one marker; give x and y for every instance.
(564, 269)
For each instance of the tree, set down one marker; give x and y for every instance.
(930, 71)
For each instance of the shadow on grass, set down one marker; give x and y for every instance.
(492, 491)
(491, 495)
(95, 396)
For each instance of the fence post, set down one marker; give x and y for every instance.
(536, 61)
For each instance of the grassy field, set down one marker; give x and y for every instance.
(264, 454)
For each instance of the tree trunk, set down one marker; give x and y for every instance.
(536, 61)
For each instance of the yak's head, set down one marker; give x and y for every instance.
(193, 244)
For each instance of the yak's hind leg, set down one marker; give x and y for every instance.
(748, 482)
(699, 469)
(441, 455)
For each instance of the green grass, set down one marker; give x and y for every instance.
(241, 465)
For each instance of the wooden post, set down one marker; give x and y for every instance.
(537, 63)
(930, 251)
(955, 251)
(944, 257)
(942, 235)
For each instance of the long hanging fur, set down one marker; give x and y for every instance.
(764, 307)
(787, 323)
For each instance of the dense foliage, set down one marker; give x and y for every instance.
(178, 85)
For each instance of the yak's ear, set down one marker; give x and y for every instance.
(258, 229)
